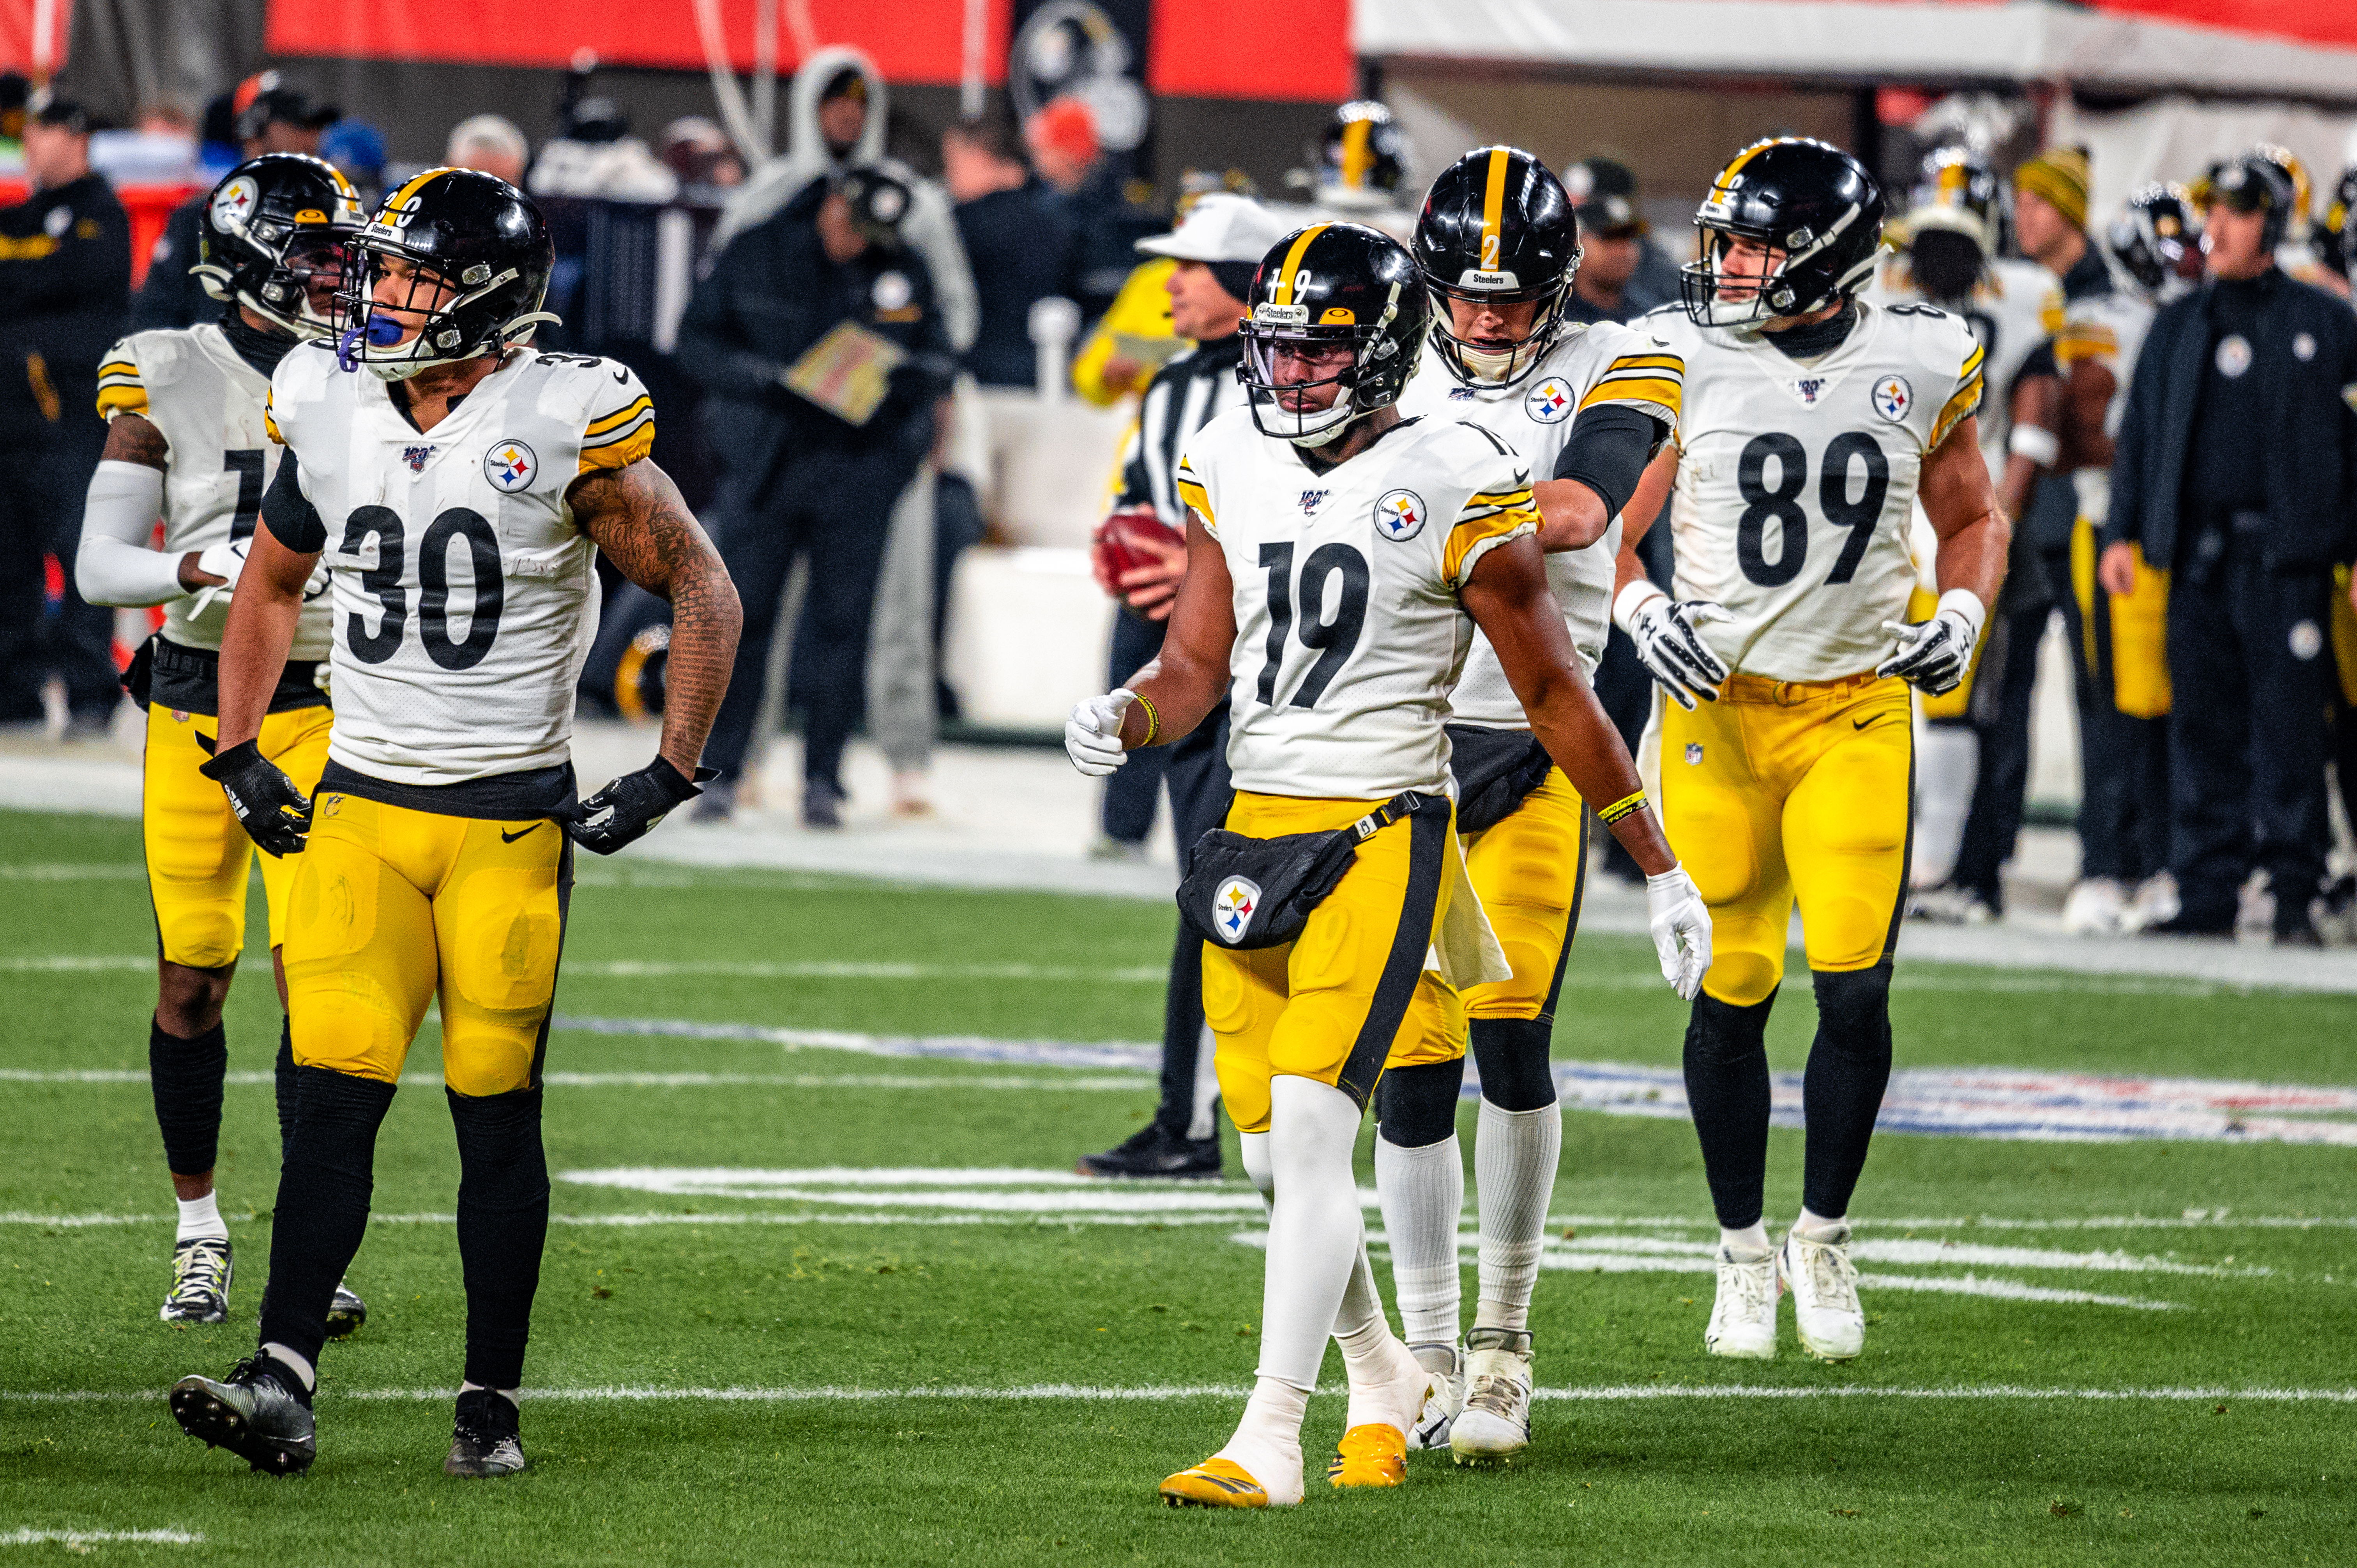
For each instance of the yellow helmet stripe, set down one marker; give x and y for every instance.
(1727, 175)
(1493, 206)
(1356, 158)
(1293, 262)
(400, 198)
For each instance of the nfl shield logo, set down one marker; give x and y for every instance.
(1694, 754)
(1233, 906)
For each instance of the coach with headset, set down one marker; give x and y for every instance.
(2235, 470)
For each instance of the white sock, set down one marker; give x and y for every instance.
(200, 1217)
(1515, 1157)
(1255, 1157)
(299, 1365)
(1423, 1196)
(1267, 1443)
(1379, 1366)
(1313, 1227)
(1749, 1244)
(1818, 1228)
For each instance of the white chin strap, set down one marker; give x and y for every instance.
(1332, 422)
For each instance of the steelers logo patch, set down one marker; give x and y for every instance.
(1399, 515)
(510, 466)
(1233, 906)
(2234, 355)
(233, 203)
(1549, 403)
(1892, 398)
(893, 291)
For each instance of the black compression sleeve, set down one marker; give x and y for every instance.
(1608, 450)
(289, 512)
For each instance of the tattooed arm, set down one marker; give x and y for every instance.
(635, 515)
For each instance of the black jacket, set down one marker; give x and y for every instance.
(772, 293)
(2310, 431)
(65, 280)
(1023, 248)
(170, 298)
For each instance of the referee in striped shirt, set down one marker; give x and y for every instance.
(1217, 246)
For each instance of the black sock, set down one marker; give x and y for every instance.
(1416, 1106)
(502, 1226)
(1726, 1090)
(324, 1186)
(187, 1076)
(1849, 1065)
(282, 1073)
(1511, 1054)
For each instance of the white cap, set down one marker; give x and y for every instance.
(1221, 227)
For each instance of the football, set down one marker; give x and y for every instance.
(1126, 540)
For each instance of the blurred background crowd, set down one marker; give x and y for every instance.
(957, 519)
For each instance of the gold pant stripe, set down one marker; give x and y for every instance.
(198, 856)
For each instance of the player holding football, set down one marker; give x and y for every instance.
(461, 490)
(1813, 423)
(1584, 408)
(1336, 551)
(184, 442)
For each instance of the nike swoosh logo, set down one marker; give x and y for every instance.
(510, 838)
(622, 376)
(1861, 723)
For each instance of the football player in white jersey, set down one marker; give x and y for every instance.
(184, 442)
(1336, 551)
(1811, 423)
(1585, 407)
(460, 490)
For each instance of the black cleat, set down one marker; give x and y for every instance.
(1153, 1152)
(201, 1269)
(345, 1313)
(253, 1413)
(485, 1440)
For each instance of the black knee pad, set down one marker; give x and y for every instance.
(1721, 1032)
(499, 1150)
(1416, 1106)
(1511, 1054)
(1854, 1012)
(187, 1077)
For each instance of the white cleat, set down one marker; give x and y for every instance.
(1444, 1363)
(1743, 1316)
(1495, 1423)
(1824, 1295)
(2156, 901)
(2097, 908)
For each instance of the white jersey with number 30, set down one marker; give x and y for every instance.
(1796, 481)
(1348, 632)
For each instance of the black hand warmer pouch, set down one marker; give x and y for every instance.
(1244, 892)
(1495, 768)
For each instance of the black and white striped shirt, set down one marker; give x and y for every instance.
(1185, 395)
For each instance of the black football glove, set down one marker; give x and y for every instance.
(273, 812)
(622, 812)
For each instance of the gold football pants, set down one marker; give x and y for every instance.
(394, 906)
(1350, 995)
(1786, 789)
(196, 852)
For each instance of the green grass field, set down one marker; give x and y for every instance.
(825, 1304)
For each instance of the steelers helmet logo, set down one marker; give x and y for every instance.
(1549, 403)
(510, 466)
(1892, 398)
(1233, 906)
(233, 203)
(1399, 515)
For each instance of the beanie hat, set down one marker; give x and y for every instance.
(2059, 175)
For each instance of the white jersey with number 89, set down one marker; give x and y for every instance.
(1796, 481)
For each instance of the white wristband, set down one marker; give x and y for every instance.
(2040, 447)
(1632, 599)
(1967, 603)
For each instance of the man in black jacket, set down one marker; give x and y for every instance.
(65, 277)
(809, 468)
(2235, 468)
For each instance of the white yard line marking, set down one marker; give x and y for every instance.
(1174, 1391)
(629, 1220)
(996, 1191)
(98, 1536)
(953, 1048)
(817, 969)
(74, 871)
(1956, 1254)
(1133, 1084)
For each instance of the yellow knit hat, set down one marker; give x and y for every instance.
(2060, 175)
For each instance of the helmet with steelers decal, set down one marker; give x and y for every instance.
(272, 239)
(1362, 155)
(1497, 232)
(2156, 242)
(453, 266)
(2332, 228)
(1335, 326)
(1790, 226)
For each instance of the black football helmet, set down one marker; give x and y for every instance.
(1362, 155)
(1958, 190)
(2331, 230)
(1320, 290)
(482, 257)
(2156, 241)
(1806, 198)
(2303, 191)
(2256, 183)
(273, 229)
(1497, 228)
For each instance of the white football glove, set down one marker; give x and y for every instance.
(1933, 655)
(1681, 926)
(1092, 734)
(1668, 640)
(225, 561)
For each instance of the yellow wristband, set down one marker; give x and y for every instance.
(1153, 721)
(1627, 805)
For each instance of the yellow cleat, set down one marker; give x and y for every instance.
(1374, 1454)
(1215, 1483)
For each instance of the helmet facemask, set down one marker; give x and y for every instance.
(1701, 284)
(374, 332)
(1496, 364)
(1265, 345)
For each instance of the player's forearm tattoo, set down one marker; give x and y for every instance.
(131, 438)
(636, 515)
